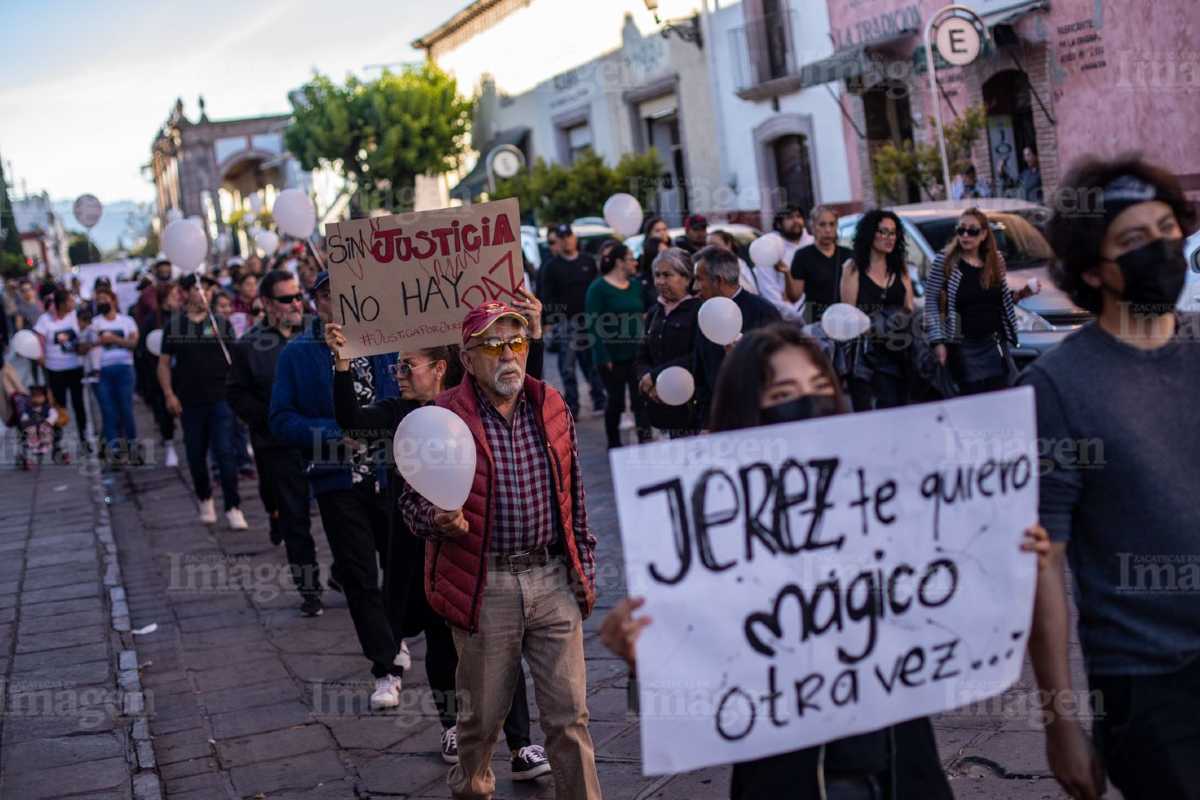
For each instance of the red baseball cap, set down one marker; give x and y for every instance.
(482, 317)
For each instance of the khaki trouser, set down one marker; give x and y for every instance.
(534, 614)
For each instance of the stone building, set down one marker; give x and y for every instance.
(210, 168)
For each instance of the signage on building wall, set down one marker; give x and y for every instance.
(879, 26)
(1002, 144)
(959, 41)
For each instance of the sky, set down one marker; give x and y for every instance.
(85, 86)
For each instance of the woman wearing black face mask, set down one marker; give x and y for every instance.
(1128, 382)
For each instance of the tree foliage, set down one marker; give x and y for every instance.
(896, 165)
(382, 133)
(556, 193)
(81, 250)
(10, 237)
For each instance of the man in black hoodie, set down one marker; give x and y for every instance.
(281, 481)
(564, 283)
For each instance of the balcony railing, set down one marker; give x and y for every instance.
(764, 50)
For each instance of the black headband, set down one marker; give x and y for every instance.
(1123, 192)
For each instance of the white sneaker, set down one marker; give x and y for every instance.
(387, 692)
(208, 512)
(403, 659)
(237, 522)
(172, 460)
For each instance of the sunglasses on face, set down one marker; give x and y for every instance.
(287, 299)
(885, 233)
(968, 230)
(403, 369)
(495, 347)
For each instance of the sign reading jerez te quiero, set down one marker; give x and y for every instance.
(406, 281)
(813, 580)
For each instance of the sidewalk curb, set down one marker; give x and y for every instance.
(143, 767)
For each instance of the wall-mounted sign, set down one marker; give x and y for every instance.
(958, 41)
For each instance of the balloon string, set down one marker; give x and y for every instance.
(312, 249)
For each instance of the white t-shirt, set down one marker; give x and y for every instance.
(112, 355)
(773, 286)
(61, 341)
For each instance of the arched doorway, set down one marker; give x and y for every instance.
(1009, 103)
(793, 170)
(888, 116)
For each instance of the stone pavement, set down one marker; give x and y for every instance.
(245, 698)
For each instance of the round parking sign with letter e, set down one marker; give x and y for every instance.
(958, 41)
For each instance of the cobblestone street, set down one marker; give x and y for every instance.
(245, 698)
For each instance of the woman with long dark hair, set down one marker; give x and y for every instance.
(970, 319)
(876, 280)
(773, 375)
(670, 341)
(615, 312)
(422, 375)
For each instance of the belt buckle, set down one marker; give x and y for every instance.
(515, 560)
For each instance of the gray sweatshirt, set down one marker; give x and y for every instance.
(1119, 440)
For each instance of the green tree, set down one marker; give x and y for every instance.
(380, 134)
(81, 250)
(896, 165)
(10, 237)
(556, 193)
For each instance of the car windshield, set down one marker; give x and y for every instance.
(1017, 236)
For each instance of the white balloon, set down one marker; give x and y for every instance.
(267, 241)
(843, 322)
(675, 386)
(623, 213)
(720, 320)
(185, 244)
(154, 341)
(435, 453)
(25, 343)
(294, 213)
(766, 251)
(173, 214)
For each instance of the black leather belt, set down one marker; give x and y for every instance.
(516, 563)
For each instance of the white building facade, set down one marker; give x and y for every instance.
(557, 76)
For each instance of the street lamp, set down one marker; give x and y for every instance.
(687, 29)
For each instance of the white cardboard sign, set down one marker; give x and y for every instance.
(814, 580)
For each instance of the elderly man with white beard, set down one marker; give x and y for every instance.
(513, 570)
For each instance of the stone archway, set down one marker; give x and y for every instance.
(788, 136)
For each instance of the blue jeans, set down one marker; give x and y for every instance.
(208, 425)
(114, 393)
(574, 347)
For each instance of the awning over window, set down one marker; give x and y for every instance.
(474, 182)
(848, 63)
(1009, 15)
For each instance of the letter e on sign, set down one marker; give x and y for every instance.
(958, 41)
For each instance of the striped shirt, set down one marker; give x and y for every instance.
(941, 329)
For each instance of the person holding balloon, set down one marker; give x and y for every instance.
(615, 320)
(512, 569)
(671, 328)
(876, 280)
(422, 376)
(728, 311)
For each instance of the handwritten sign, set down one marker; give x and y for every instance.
(406, 281)
(819, 579)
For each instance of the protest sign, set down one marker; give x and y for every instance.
(814, 580)
(406, 281)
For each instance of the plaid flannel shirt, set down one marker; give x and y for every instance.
(522, 487)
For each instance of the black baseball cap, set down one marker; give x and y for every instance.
(563, 230)
(322, 279)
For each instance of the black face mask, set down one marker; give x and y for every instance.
(806, 407)
(1154, 275)
(103, 308)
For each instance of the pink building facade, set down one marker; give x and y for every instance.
(1063, 77)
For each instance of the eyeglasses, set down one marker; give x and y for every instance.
(287, 299)
(968, 230)
(403, 369)
(495, 347)
(885, 233)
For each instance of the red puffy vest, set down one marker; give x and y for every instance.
(456, 569)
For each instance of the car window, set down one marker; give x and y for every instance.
(1018, 238)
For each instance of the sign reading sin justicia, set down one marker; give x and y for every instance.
(881, 26)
